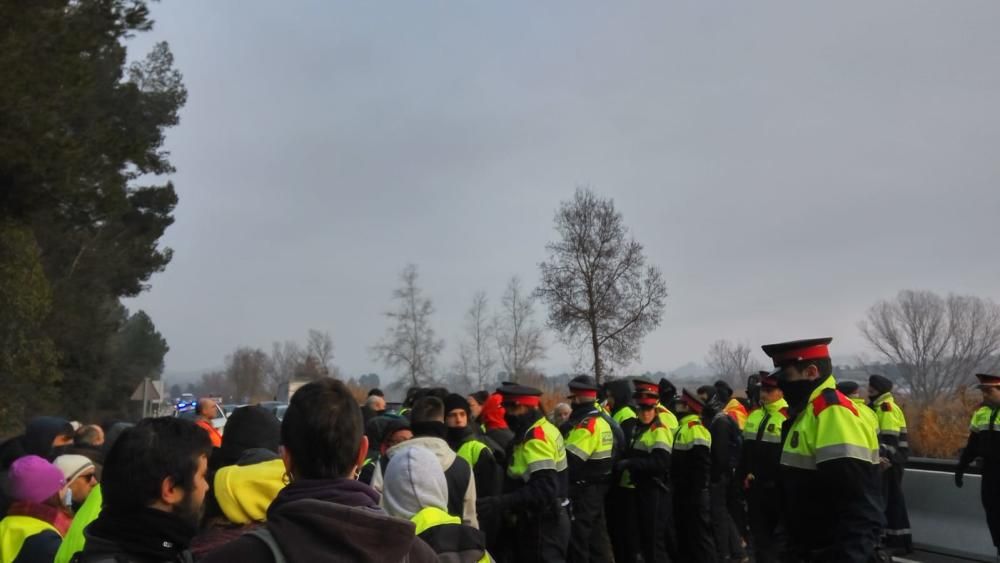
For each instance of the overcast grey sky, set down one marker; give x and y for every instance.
(785, 164)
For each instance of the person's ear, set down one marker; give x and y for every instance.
(286, 458)
(170, 493)
(362, 452)
(812, 372)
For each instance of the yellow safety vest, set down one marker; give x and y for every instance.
(774, 414)
(623, 414)
(591, 439)
(866, 413)
(75, 540)
(430, 516)
(984, 419)
(470, 451)
(667, 418)
(14, 530)
(656, 436)
(542, 448)
(691, 433)
(828, 428)
(891, 420)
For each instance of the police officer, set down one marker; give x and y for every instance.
(852, 391)
(647, 466)
(829, 461)
(590, 449)
(668, 393)
(690, 466)
(619, 505)
(758, 470)
(984, 442)
(537, 481)
(894, 446)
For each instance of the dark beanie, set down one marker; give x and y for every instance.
(723, 390)
(249, 428)
(880, 383)
(848, 387)
(455, 401)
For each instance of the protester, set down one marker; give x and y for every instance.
(472, 446)
(388, 431)
(324, 514)
(44, 436)
(153, 488)
(495, 424)
(429, 431)
(38, 518)
(246, 474)
(80, 475)
(560, 414)
(74, 540)
(416, 489)
(476, 402)
(374, 405)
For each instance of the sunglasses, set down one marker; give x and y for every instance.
(92, 477)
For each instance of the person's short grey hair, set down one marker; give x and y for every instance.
(563, 407)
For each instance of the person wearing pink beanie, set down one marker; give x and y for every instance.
(38, 518)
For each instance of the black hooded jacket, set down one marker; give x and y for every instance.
(330, 521)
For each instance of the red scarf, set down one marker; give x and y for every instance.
(57, 517)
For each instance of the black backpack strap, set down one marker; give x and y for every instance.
(264, 535)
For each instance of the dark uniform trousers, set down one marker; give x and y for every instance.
(622, 523)
(727, 540)
(990, 495)
(541, 537)
(694, 526)
(764, 506)
(589, 541)
(652, 504)
(897, 528)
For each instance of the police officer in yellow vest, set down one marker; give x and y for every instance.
(647, 466)
(690, 469)
(536, 490)
(852, 391)
(829, 461)
(894, 446)
(758, 470)
(668, 393)
(590, 450)
(984, 442)
(620, 503)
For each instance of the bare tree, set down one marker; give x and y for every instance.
(476, 358)
(286, 359)
(936, 342)
(246, 370)
(410, 343)
(603, 299)
(519, 339)
(320, 347)
(732, 362)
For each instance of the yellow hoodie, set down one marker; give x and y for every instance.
(245, 491)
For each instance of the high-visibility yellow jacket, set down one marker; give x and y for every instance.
(891, 427)
(830, 479)
(15, 530)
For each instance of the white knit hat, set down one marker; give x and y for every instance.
(72, 466)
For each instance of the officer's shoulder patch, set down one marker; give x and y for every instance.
(784, 411)
(588, 423)
(886, 407)
(693, 423)
(537, 433)
(830, 398)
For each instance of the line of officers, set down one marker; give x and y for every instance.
(637, 478)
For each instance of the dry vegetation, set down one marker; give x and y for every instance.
(940, 430)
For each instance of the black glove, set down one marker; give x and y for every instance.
(959, 474)
(489, 506)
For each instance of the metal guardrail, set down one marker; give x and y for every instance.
(943, 518)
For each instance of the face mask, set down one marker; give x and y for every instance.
(68, 498)
(456, 435)
(519, 424)
(797, 392)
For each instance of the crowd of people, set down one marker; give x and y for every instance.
(801, 469)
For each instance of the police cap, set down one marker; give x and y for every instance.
(987, 380)
(879, 383)
(583, 386)
(520, 395)
(786, 353)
